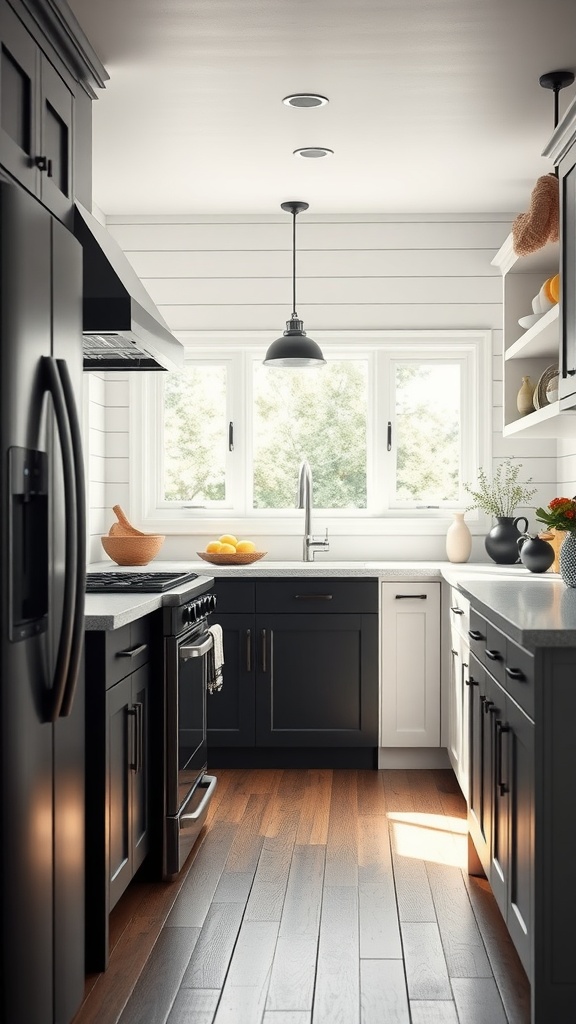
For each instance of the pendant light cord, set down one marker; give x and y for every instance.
(294, 314)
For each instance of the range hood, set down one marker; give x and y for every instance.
(122, 329)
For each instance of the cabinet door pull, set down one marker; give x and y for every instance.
(41, 163)
(263, 639)
(139, 735)
(474, 634)
(49, 168)
(457, 611)
(471, 681)
(132, 652)
(454, 652)
(515, 673)
(313, 597)
(500, 728)
(493, 655)
(487, 705)
(414, 597)
(463, 671)
(248, 650)
(133, 755)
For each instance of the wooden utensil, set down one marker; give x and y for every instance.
(124, 528)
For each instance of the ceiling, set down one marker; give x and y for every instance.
(434, 105)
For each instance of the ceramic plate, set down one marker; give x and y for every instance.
(529, 321)
(540, 396)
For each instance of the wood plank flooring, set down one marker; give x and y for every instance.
(316, 897)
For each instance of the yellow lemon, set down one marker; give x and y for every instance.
(246, 546)
(227, 538)
(214, 547)
(227, 549)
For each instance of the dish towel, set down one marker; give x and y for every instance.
(215, 660)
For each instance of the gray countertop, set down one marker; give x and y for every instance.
(534, 609)
(543, 615)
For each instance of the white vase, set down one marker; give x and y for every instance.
(458, 540)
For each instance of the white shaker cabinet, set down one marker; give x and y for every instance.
(458, 688)
(410, 664)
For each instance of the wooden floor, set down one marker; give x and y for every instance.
(317, 897)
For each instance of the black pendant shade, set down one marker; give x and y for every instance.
(294, 348)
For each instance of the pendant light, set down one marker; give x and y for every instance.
(294, 348)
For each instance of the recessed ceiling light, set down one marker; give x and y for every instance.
(313, 152)
(305, 99)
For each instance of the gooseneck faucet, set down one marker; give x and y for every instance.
(310, 544)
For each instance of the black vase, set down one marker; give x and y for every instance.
(536, 554)
(501, 541)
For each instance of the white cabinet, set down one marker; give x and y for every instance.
(410, 664)
(529, 352)
(457, 693)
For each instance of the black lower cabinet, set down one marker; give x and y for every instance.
(300, 673)
(119, 772)
(501, 802)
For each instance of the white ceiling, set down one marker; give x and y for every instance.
(434, 106)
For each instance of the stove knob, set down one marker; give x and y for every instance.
(185, 616)
(194, 612)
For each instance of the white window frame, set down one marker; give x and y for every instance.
(474, 347)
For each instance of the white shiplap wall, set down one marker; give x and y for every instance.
(106, 445)
(210, 275)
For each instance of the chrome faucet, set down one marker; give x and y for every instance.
(310, 544)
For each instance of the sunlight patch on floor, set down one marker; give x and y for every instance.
(434, 837)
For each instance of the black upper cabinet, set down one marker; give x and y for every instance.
(46, 84)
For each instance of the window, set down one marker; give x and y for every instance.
(392, 426)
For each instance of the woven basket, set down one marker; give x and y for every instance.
(240, 558)
(133, 550)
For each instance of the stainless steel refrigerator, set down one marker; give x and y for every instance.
(42, 532)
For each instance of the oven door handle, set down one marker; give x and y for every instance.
(211, 780)
(196, 650)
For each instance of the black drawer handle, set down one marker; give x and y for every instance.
(493, 655)
(475, 635)
(487, 705)
(457, 611)
(471, 681)
(414, 597)
(515, 673)
(313, 597)
(501, 727)
(132, 652)
(248, 650)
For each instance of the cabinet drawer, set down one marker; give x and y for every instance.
(235, 596)
(312, 595)
(495, 652)
(477, 635)
(127, 649)
(459, 611)
(518, 678)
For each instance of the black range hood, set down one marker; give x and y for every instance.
(122, 329)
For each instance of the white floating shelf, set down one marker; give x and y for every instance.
(546, 422)
(540, 340)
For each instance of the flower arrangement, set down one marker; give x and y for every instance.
(560, 514)
(502, 495)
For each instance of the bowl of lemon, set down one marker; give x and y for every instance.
(227, 550)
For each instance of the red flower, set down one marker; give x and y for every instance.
(569, 513)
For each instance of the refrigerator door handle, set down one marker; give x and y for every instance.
(54, 386)
(80, 566)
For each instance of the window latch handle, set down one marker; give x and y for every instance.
(231, 436)
(389, 437)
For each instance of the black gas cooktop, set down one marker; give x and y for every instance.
(129, 582)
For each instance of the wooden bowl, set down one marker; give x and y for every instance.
(133, 550)
(240, 558)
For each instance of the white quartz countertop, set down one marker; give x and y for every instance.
(110, 611)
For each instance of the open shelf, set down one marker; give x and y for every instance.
(546, 422)
(541, 339)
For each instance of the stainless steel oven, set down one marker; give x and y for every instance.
(188, 789)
